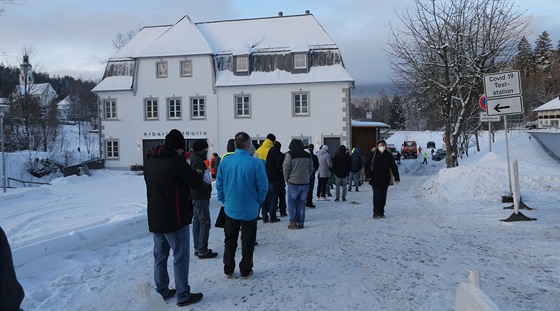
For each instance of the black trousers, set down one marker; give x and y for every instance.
(379, 199)
(248, 238)
(282, 198)
(309, 200)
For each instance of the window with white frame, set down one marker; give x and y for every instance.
(110, 109)
(242, 63)
(300, 61)
(151, 108)
(111, 149)
(161, 69)
(174, 108)
(198, 108)
(300, 102)
(242, 106)
(186, 68)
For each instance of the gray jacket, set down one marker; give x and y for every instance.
(325, 162)
(297, 166)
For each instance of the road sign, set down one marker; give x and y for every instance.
(486, 118)
(502, 84)
(503, 106)
(482, 102)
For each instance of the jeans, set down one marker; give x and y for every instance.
(201, 225)
(248, 238)
(296, 202)
(269, 208)
(379, 199)
(340, 182)
(354, 177)
(178, 241)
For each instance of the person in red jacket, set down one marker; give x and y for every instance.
(168, 180)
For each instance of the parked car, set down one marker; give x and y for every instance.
(531, 125)
(431, 144)
(393, 149)
(439, 155)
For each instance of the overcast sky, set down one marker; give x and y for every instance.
(74, 37)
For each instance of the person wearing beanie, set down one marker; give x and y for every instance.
(380, 169)
(309, 200)
(271, 136)
(168, 180)
(201, 202)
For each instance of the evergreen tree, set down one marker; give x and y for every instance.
(543, 52)
(524, 60)
(397, 117)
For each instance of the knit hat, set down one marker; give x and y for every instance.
(174, 140)
(271, 137)
(381, 141)
(199, 145)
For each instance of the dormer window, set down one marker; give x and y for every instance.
(300, 61)
(242, 63)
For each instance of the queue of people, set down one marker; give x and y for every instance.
(249, 180)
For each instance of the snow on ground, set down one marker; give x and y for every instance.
(82, 242)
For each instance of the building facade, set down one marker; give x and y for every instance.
(549, 114)
(210, 80)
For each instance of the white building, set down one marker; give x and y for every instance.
(210, 80)
(44, 92)
(549, 114)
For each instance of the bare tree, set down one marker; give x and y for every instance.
(122, 39)
(443, 51)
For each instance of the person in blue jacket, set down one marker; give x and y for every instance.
(242, 184)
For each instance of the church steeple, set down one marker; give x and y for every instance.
(25, 72)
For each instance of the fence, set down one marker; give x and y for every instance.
(469, 296)
(83, 167)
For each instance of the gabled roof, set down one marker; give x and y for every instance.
(35, 89)
(281, 33)
(551, 105)
(180, 39)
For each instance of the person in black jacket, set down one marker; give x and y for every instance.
(355, 169)
(309, 200)
(282, 188)
(201, 202)
(379, 166)
(341, 168)
(168, 180)
(11, 292)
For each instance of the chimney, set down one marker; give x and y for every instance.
(280, 13)
(307, 12)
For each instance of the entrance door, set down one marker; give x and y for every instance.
(333, 143)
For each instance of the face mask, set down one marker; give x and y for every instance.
(381, 149)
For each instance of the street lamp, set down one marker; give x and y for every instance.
(2, 109)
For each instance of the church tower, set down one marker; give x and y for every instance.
(25, 72)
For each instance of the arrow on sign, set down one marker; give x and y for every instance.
(497, 108)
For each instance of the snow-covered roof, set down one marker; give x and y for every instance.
(65, 103)
(551, 105)
(180, 39)
(114, 83)
(34, 89)
(334, 73)
(280, 33)
(357, 123)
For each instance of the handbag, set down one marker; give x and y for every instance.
(221, 219)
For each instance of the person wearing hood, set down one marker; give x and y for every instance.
(297, 169)
(341, 168)
(324, 172)
(201, 202)
(379, 167)
(168, 180)
(272, 160)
